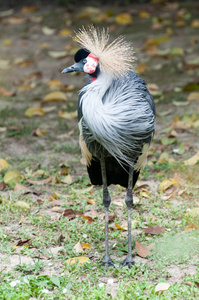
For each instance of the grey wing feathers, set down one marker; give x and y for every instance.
(124, 120)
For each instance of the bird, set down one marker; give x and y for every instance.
(116, 118)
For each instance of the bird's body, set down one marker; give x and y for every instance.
(115, 121)
(116, 115)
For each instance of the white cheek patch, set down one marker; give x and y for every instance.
(91, 65)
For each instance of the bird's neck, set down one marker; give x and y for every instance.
(92, 98)
(95, 91)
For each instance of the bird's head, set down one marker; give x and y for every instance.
(85, 61)
(99, 56)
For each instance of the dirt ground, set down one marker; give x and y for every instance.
(35, 49)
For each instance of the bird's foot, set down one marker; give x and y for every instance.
(107, 262)
(128, 261)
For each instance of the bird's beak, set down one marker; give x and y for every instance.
(77, 67)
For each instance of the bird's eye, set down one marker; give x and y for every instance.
(84, 60)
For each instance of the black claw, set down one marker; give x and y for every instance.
(128, 262)
(107, 262)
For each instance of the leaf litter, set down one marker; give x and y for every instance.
(162, 47)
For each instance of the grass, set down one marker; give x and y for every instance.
(49, 276)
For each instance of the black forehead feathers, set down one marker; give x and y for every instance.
(80, 54)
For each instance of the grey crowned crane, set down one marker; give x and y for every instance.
(116, 116)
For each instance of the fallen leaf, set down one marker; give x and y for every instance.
(5, 64)
(57, 209)
(78, 247)
(41, 182)
(48, 31)
(16, 20)
(194, 96)
(89, 219)
(144, 14)
(79, 260)
(85, 246)
(12, 177)
(23, 205)
(91, 201)
(194, 212)
(141, 68)
(63, 171)
(190, 227)
(161, 287)
(67, 115)
(155, 229)
(193, 160)
(69, 213)
(38, 132)
(167, 183)
(3, 164)
(24, 62)
(28, 9)
(177, 51)
(142, 250)
(66, 179)
(34, 111)
(55, 96)
(3, 185)
(65, 32)
(20, 187)
(57, 54)
(4, 92)
(39, 172)
(22, 243)
(195, 23)
(124, 19)
(5, 201)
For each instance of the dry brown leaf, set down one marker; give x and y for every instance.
(195, 23)
(194, 212)
(194, 96)
(28, 9)
(34, 111)
(79, 260)
(5, 201)
(190, 227)
(23, 205)
(67, 115)
(69, 213)
(85, 246)
(41, 182)
(161, 287)
(91, 201)
(57, 54)
(55, 96)
(11, 177)
(4, 92)
(48, 31)
(3, 185)
(20, 187)
(167, 183)
(142, 250)
(66, 179)
(78, 247)
(193, 160)
(144, 14)
(124, 19)
(3, 164)
(57, 209)
(16, 20)
(155, 229)
(65, 32)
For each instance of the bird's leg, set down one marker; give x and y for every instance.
(107, 261)
(128, 261)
